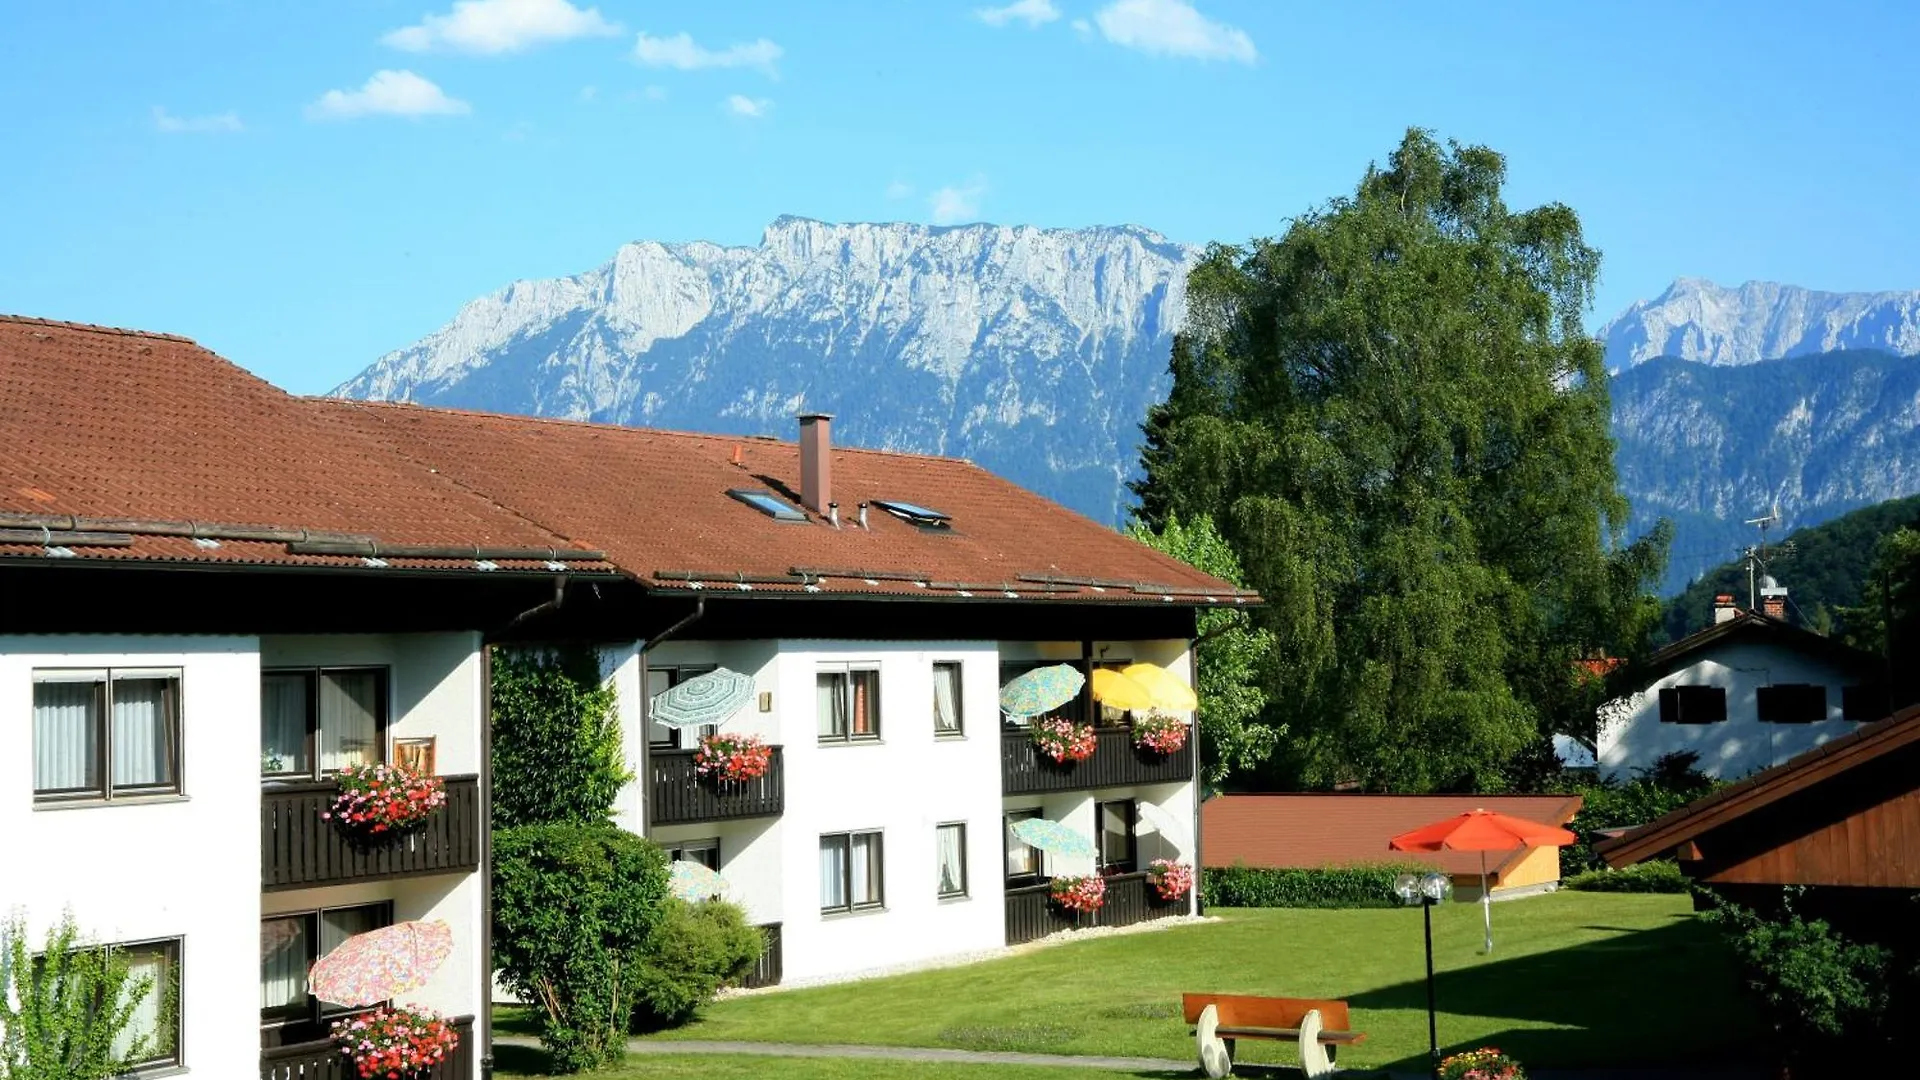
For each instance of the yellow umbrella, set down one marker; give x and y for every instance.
(1169, 694)
(1116, 691)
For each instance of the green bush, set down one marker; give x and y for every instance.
(1825, 996)
(1671, 782)
(1655, 876)
(556, 738)
(573, 907)
(1360, 886)
(694, 950)
(55, 1023)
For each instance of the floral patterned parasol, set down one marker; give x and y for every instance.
(376, 966)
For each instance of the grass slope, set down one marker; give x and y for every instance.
(514, 1061)
(1576, 979)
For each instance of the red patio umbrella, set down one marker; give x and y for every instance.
(1481, 831)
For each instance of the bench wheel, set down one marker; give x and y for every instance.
(1215, 1059)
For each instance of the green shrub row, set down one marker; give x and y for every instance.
(1360, 886)
(1655, 876)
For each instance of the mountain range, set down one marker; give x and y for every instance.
(1036, 353)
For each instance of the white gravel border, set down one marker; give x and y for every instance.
(1060, 937)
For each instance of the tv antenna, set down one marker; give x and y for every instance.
(1759, 556)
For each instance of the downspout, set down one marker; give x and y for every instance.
(486, 860)
(646, 790)
(1199, 795)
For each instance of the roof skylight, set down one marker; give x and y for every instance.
(766, 503)
(922, 516)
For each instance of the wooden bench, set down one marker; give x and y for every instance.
(1221, 1019)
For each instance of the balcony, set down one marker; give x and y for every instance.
(766, 971)
(323, 1060)
(1115, 763)
(1131, 899)
(299, 849)
(676, 795)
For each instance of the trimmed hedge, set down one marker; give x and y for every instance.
(1361, 886)
(1656, 876)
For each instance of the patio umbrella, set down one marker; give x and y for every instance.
(1116, 691)
(703, 699)
(373, 967)
(1170, 694)
(1053, 837)
(1481, 831)
(695, 881)
(1041, 690)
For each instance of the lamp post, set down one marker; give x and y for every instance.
(1426, 890)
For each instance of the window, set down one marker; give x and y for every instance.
(105, 733)
(946, 699)
(1864, 703)
(848, 700)
(155, 1020)
(1693, 705)
(950, 851)
(765, 502)
(319, 721)
(1022, 860)
(1791, 703)
(659, 679)
(289, 946)
(849, 872)
(704, 852)
(1116, 836)
(915, 514)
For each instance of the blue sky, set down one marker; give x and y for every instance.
(244, 173)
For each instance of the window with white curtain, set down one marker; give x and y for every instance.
(850, 872)
(1022, 859)
(847, 701)
(950, 852)
(289, 947)
(946, 699)
(101, 733)
(154, 1022)
(320, 720)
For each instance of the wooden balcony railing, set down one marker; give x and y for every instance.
(767, 971)
(299, 849)
(1131, 899)
(1116, 762)
(677, 795)
(323, 1060)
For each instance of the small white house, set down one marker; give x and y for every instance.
(1745, 694)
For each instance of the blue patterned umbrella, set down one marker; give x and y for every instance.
(694, 881)
(1042, 690)
(1053, 838)
(703, 699)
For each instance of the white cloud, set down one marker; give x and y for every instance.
(680, 51)
(899, 189)
(1031, 12)
(1082, 26)
(388, 93)
(751, 108)
(655, 93)
(1173, 28)
(221, 123)
(500, 26)
(588, 93)
(954, 204)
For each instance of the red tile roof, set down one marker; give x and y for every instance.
(656, 502)
(104, 423)
(1340, 830)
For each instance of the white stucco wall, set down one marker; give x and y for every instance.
(174, 867)
(1741, 744)
(435, 683)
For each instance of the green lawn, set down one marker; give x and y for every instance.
(1577, 979)
(519, 1062)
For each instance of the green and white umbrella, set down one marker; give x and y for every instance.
(1053, 838)
(703, 699)
(694, 881)
(1042, 690)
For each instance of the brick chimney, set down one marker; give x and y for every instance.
(816, 461)
(1773, 601)
(1723, 609)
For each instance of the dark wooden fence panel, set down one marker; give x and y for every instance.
(677, 795)
(767, 971)
(323, 1060)
(299, 849)
(1116, 762)
(1131, 898)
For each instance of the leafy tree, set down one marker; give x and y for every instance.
(1887, 621)
(1398, 422)
(696, 949)
(1229, 652)
(556, 738)
(573, 907)
(64, 1007)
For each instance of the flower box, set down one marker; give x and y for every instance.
(1486, 1063)
(377, 799)
(398, 1042)
(1062, 740)
(1159, 733)
(1172, 880)
(1079, 894)
(732, 758)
